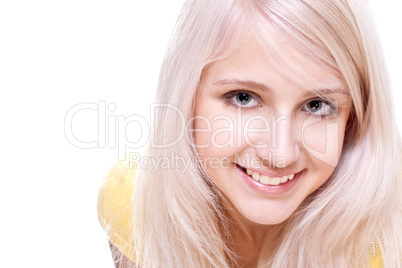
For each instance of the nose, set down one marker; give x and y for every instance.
(283, 144)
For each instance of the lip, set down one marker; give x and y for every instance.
(269, 189)
(271, 174)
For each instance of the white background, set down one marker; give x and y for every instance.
(54, 55)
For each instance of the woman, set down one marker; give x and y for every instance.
(278, 117)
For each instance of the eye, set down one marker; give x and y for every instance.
(314, 105)
(242, 99)
(321, 108)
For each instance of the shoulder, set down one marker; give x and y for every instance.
(375, 255)
(376, 262)
(115, 206)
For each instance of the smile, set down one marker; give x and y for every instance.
(268, 180)
(269, 185)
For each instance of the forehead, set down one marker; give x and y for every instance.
(271, 57)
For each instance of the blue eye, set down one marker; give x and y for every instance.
(320, 108)
(314, 105)
(242, 99)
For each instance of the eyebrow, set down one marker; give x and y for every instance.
(244, 83)
(265, 88)
(325, 92)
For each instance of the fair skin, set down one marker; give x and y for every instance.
(253, 121)
(257, 125)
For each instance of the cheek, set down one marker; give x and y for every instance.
(213, 138)
(214, 133)
(218, 128)
(324, 140)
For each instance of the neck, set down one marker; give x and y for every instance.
(245, 239)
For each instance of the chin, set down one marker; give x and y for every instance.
(267, 214)
(269, 220)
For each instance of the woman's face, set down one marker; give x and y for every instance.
(265, 139)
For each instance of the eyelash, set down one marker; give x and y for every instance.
(232, 99)
(327, 108)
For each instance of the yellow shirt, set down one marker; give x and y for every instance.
(115, 208)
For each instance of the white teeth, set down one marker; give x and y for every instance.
(267, 180)
(275, 181)
(255, 176)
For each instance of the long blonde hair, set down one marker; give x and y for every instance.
(177, 215)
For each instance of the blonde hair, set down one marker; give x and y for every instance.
(177, 215)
